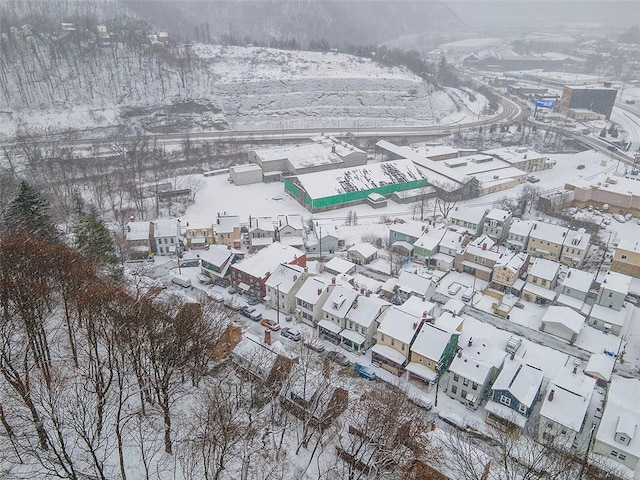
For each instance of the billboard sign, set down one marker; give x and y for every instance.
(544, 103)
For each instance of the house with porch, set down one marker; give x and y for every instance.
(546, 241)
(282, 286)
(575, 289)
(473, 371)
(262, 232)
(407, 232)
(199, 237)
(290, 230)
(216, 261)
(394, 337)
(411, 284)
(470, 219)
(431, 353)
(575, 247)
(614, 288)
(518, 236)
(450, 244)
(496, 224)
(564, 409)
(428, 244)
(541, 281)
(251, 274)
(334, 313)
(478, 258)
(310, 299)
(513, 394)
(361, 323)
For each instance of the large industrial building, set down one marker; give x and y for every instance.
(588, 97)
(321, 153)
(332, 189)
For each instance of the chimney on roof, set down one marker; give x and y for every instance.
(319, 291)
(551, 394)
(128, 228)
(333, 149)
(569, 274)
(484, 246)
(575, 369)
(459, 353)
(367, 293)
(535, 225)
(415, 325)
(425, 314)
(470, 342)
(267, 336)
(333, 280)
(513, 355)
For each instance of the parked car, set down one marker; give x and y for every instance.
(338, 358)
(181, 280)
(606, 221)
(365, 372)
(316, 346)
(256, 316)
(253, 300)
(619, 218)
(581, 167)
(532, 179)
(291, 334)
(421, 401)
(270, 324)
(232, 290)
(247, 311)
(454, 288)
(453, 419)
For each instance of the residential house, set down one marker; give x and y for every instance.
(334, 313)
(496, 223)
(618, 435)
(564, 409)
(562, 322)
(266, 361)
(310, 299)
(419, 307)
(473, 371)
(216, 261)
(227, 230)
(614, 289)
(471, 219)
(290, 230)
(326, 241)
(610, 320)
(426, 247)
(407, 232)
(513, 394)
(262, 232)
(508, 272)
(282, 286)
(251, 274)
(449, 321)
(541, 281)
(395, 335)
(138, 239)
(411, 284)
(575, 288)
(339, 266)
(432, 352)
(199, 237)
(575, 247)
(478, 258)
(546, 241)
(166, 236)
(451, 242)
(518, 236)
(361, 322)
(314, 398)
(626, 258)
(362, 253)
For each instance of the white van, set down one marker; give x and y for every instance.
(181, 280)
(467, 295)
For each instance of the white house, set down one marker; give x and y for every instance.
(496, 223)
(564, 409)
(562, 322)
(410, 284)
(618, 435)
(335, 311)
(614, 288)
(290, 230)
(518, 236)
(261, 232)
(166, 236)
(361, 322)
(473, 370)
(575, 289)
(282, 286)
(310, 299)
(362, 253)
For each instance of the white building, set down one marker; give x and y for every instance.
(261, 232)
(334, 313)
(618, 435)
(563, 412)
(282, 286)
(410, 284)
(614, 289)
(166, 236)
(496, 223)
(361, 322)
(310, 299)
(562, 322)
(518, 236)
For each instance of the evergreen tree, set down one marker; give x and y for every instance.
(92, 239)
(28, 214)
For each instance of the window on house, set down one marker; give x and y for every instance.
(622, 457)
(544, 283)
(465, 382)
(172, 240)
(456, 377)
(393, 342)
(402, 347)
(522, 408)
(563, 431)
(464, 393)
(623, 438)
(474, 386)
(382, 337)
(623, 257)
(454, 389)
(614, 453)
(610, 294)
(505, 400)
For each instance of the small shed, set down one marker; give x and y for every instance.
(376, 200)
(245, 174)
(562, 322)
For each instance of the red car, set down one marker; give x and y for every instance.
(270, 324)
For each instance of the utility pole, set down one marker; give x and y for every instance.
(320, 240)
(178, 255)
(278, 304)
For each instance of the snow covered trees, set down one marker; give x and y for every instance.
(28, 214)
